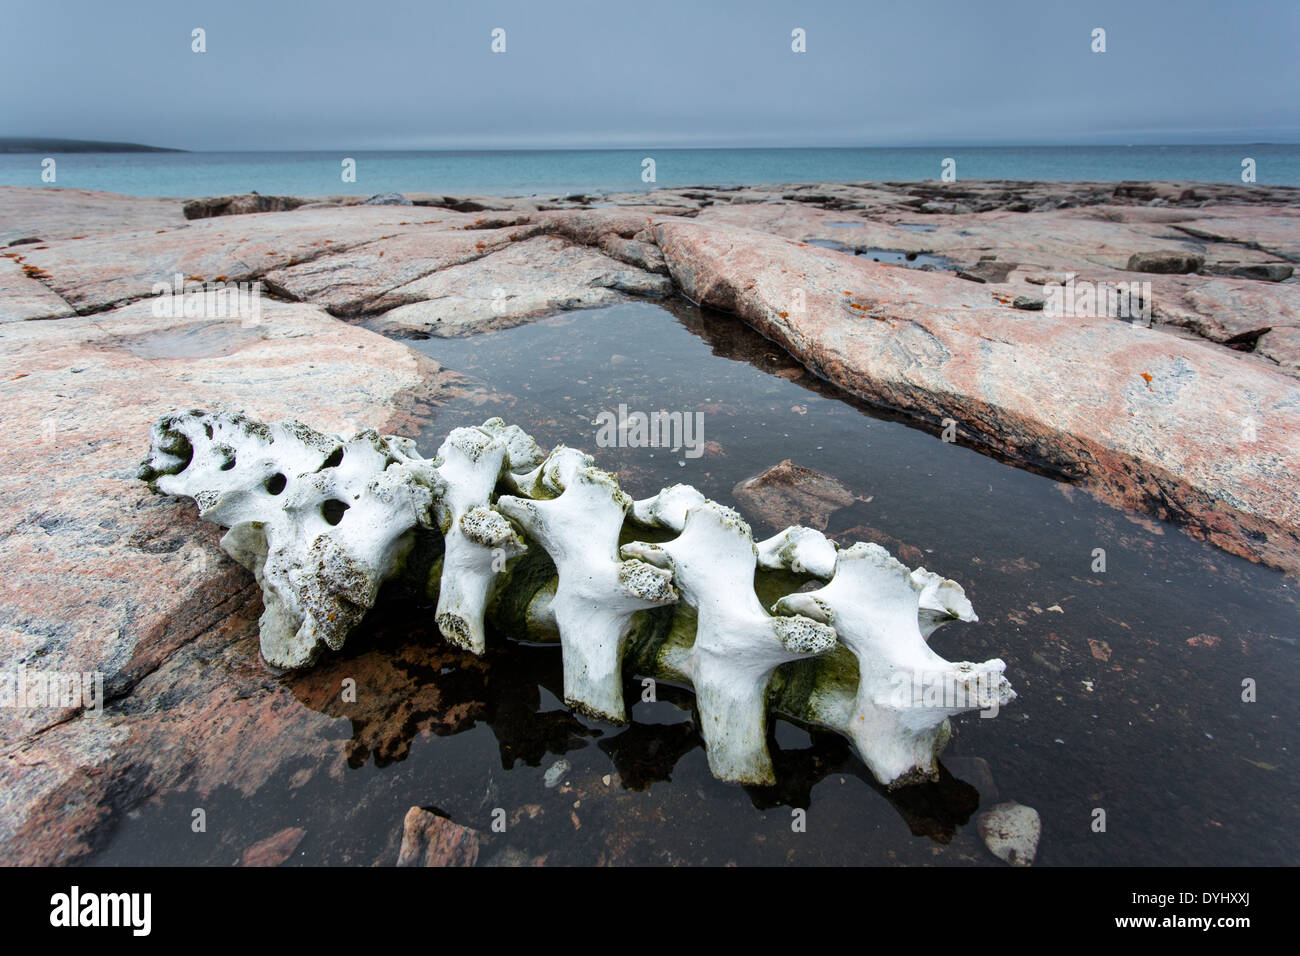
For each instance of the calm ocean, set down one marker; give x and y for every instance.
(531, 172)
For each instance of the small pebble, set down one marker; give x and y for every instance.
(554, 773)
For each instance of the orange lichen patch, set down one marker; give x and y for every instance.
(34, 273)
(194, 278)
(381, 253)
(221, 279)
(785, 315)
(847, 292)
(1146, 378)
(18, 376)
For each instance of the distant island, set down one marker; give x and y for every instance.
(42, 144)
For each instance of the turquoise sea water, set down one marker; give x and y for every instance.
(548, 172)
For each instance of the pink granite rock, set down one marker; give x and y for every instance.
(100, 576)
(529, 278)
(22, 297)
(56, 213)
(97, 272)
(274, 850)
(431, 840)
(1185, 430)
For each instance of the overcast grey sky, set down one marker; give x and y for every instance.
(411, 75)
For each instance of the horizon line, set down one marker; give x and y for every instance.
(145, 147)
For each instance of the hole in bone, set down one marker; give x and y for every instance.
(275, 484)
(332, 510)
(179, 446)
(334, 460)
(228, 463)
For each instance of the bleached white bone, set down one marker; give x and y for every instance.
(906, 692)
(477, 540)
(942, 600)
(668, 508)
(737, 644)
(597, 593)
(808, 551)
(322, 522)
(319, 521)
(804, 550)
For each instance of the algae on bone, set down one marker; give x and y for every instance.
(737, 645)
(323, 522)
(477, 538)
(597, 593)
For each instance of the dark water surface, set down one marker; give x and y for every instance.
(1129, 681)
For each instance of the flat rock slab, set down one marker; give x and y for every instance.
(1071, 239)
(1224, 309)
(529, 278)
(96, 273)
(23, 298)
(1281, 345)
(364, 278)
(52, 212)
(102, 576)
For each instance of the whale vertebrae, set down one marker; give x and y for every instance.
(531, 543)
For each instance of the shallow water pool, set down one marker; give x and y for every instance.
(1129, 680)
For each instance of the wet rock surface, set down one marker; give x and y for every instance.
(787, 494)
(274, 850)
(431, 840)
(1011, 832)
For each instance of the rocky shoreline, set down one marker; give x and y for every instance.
(1192, 415)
